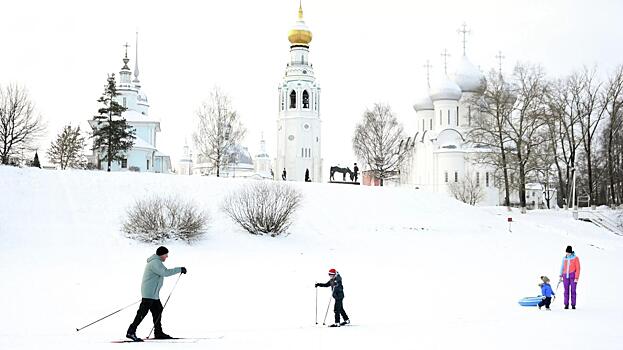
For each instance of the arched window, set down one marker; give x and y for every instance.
(293, 99)
(305, 99)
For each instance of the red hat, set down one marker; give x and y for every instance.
(332, 272)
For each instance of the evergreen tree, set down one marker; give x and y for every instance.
(112, 136)
(35, 162)
(66, 150)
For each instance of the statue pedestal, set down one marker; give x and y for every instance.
(344, 182)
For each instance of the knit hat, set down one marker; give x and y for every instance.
(569, 249)
(545, 279)
(162, 251)
(332, 272)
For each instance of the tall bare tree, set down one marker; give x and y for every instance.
(612, 99)
(564, 132)
(592, 113)
(525, 124)
(219, 129)
(20, 125)
(377, 141)
(66, 150)
(495, 102)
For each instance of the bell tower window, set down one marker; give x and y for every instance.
(305, 99)
(293, 99)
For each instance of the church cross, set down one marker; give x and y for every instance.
(428, 66)
(500, 58)
(463, 30)
(126, 49)
(445, 56)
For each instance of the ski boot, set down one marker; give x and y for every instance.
(133, 337)
(334, 325)
(345, 322)
(162, 335)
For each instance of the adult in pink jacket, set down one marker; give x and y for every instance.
(569, 275)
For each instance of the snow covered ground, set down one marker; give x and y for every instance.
(420, 271)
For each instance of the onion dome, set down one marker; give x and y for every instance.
(300, 34)
(445, 89)
(467, 76)
(423, 103)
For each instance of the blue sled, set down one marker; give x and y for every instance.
(530, 301)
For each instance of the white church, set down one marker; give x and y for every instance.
(439, 153)
(298, 126)
(144, 155)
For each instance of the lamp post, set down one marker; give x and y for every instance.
(573, 198)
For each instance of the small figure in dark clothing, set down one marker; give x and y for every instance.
(356, 172)
(307, 179)
(283, 174)
(546, 293)
(335, 282)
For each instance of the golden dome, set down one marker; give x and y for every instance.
(300, 34)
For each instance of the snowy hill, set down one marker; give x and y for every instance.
(420, 270)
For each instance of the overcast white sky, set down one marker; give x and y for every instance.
(362, 51)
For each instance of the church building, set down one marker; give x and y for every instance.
(298, 125)
(439, 154)
(144, 155)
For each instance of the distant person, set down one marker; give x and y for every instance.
(356, 171)
(153, 278)
(272, 174)
(335, 282)
(546, 293)
(307, 179)
(569, 275)
(284, 175)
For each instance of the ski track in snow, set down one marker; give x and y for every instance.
(420, 271)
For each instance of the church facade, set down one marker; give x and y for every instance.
(439, 155)
(144, 155)
(298, 125)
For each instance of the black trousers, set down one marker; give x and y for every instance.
(153, 305)
(338, 308)
(547, 301)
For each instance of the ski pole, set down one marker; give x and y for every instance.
(316, 305)
(165, 305)
(94, 322)
(326, 313)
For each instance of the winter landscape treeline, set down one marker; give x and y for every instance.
(539, 129)
(549, 131)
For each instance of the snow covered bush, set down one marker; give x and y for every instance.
(158, 219)
(263, 207)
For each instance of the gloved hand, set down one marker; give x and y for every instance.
(184, 270)
(317, 284)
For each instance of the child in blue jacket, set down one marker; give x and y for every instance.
(546, 293)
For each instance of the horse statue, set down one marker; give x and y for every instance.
(343, 171)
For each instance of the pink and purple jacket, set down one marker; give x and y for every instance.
(570, 264)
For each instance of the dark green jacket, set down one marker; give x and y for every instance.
(153, 277)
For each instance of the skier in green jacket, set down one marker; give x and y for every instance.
(153, 278)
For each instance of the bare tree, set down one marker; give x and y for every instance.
(66, 150)
(467, 189)
(591, 112)
(525, 130)
(377, 141)
(495, 102)
(20, 126)
(612, 99)
(218, 131)
(564, 132)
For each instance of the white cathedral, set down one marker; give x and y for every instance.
(298, 125)
(439, 153)
(143, 156)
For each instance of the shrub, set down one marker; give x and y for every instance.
(159, 219)
(263, 207)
